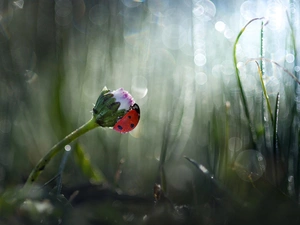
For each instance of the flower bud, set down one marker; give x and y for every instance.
(111, 105)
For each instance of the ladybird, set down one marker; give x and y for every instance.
(129, 121)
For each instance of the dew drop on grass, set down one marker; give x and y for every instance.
(67, 148)
(250, 165)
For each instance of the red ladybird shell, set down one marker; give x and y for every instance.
(129, 121)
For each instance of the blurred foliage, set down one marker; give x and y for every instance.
(175, 58)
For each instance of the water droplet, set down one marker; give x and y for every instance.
(250, 165)
(68, 148)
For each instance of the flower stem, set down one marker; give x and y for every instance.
(91, 124)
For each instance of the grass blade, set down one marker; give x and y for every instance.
(265, 92)
(244, 100)
(275, 140)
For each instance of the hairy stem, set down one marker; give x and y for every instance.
(39, 168)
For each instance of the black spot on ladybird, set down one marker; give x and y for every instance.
(129, 117)
(132, 125)
(120, 127)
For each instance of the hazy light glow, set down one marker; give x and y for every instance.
(276, 16)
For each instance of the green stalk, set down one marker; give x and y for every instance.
(39, 168)
(265, 92)
(262, 47)
(240, 83)
(275, 140)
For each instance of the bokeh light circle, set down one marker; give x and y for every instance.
(99, 14)
(139, 87)
(250, 165)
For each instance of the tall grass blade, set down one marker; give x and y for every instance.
(60, 171)
(276, 64)
(244, 100)
(275, 140)
(265, 92)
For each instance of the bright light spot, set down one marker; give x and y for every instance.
(203, 169)
(276, 16)
(291, 179)
(289, 58)
(220, 26)
(201, 78)
(68, 148)
(200, 59)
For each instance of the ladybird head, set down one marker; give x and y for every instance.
(112, 105)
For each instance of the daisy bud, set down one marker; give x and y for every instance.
(112, 105)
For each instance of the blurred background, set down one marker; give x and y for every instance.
(176, 59)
